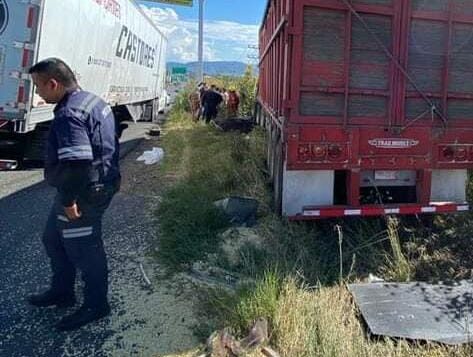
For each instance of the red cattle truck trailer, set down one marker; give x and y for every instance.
(368, 105)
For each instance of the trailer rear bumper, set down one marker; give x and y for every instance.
(310, 213)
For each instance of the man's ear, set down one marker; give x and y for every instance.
(53, 84)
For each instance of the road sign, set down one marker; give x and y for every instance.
(175, 2)
(179, 70)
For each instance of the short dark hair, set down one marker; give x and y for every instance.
(57, 69)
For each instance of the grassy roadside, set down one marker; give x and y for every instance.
(201, 166)
(298, 272)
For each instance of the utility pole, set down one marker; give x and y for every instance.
(252, 54)
(200, 72)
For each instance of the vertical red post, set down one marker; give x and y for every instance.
(424, 186)
(446, 68)
(400, 91)
(353, 187)
(346, 74)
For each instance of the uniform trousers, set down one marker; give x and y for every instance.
(77, 245)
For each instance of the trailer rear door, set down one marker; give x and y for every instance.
(345, 76)
(440, 62)
(16, 45)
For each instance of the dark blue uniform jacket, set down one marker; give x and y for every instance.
(83, 148)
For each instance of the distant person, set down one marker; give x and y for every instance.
(225, 96)
(194, 104)
(210, 101)
(202, 88)
(82, 164)
(233, 103)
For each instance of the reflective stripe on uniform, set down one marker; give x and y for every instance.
(74, 148)
(62, 218)
(75, 152)
(77, 232)
(92, 104)
(87, 100)
(106, 111)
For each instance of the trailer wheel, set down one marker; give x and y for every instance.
(270, 143)
(257, 114)
(35, 143)
(278, 168)
(155, 111)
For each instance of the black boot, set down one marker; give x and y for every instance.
(51, 298)
(82, 316)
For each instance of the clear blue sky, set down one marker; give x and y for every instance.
(243, 11)
(230, 27)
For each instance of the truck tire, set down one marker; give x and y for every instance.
(12, 149)
(36, 143)
(270, 152)
(155, 114)
(257, 114)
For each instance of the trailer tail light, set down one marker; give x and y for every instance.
(456, 153)
(21, 94)
(461, 154)
(30, 17)
(25, 58)
(447, 153)
(321, 152)
(303, 152)
(318, 152)
(335, 151)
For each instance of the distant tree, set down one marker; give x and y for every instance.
(247, 89)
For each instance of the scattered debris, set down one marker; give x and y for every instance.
(213, 276)
(374, 279)
(269, 352)
(145, 277)
(152, 156)
(224, 344)
(235, 239)
(240, 210)
(418, 311)
(156, 131)
(235, 124)
(258, 335)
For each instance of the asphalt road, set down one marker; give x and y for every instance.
(25, 201)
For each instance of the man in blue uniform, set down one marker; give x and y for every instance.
(210, 101)
(82, 164)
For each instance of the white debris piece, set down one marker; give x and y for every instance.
(151, 157)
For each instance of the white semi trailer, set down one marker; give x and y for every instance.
(114, 49)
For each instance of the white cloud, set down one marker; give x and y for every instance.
(223, 40)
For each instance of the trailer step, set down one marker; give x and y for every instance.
(8, 165)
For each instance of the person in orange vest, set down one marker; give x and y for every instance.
(233, 103)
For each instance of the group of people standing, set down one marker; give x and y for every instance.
(205, 102)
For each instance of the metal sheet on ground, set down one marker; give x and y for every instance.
(418, 311)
